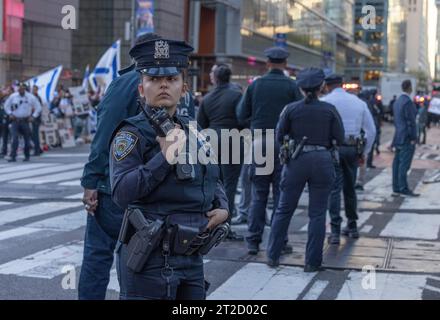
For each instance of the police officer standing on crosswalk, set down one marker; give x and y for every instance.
(262, 105)
(21, 108)
(355, 117)
(310, 126)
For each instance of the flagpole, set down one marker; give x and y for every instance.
(133, 22)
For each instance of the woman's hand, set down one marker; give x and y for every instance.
(216, 217)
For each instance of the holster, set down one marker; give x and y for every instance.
(142, 235)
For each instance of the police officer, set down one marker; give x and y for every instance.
(105, 217)
(319, 123)
(19, 108)
(144, 178)
(262, 104)
(355, 117)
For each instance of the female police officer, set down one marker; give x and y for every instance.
(318, 124)
(144, 179)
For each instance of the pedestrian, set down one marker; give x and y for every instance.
(104, 217)
(404, 140)
(319, 123)
(260, 108)
(19, 108)
(4, 120)
(36, 125)
(422, 119)
(181, 199)
(355, 117)
(218, 112)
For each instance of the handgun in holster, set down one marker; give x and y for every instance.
(284, 150)
(360, 145)
(298, 148)
(147, 236)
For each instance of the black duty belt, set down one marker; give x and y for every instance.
(311, 148)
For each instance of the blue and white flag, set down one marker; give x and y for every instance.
(107, 68)
(85, 83)
(46, 84)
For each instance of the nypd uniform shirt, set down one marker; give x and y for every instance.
(22, 106)
(141, 176)
(355, 115)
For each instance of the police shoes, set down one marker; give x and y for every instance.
(273, 263)
(253, 248)
(310, 268)
(350, 232)
(334, 238)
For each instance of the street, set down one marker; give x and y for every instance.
(42, 223)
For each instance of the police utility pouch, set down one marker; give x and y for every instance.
(147, 238)
(184, 239)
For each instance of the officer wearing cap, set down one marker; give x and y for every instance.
(317, 123)
(143, 177)
(355, 117)
(104, 216)
(260, 108)
(21, 108)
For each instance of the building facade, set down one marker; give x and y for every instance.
(437, 58)
(315, 32)
(33, 40)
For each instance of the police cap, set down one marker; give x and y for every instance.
(161, 57)
(276, 54)
(310, 78)
(334, 79)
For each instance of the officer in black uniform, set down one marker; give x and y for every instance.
(261, 105)
(313, 125)
(181, 199)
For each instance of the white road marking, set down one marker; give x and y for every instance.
(259, 282)
(65, 155)
(33, 210)
(379, 188)
(387, 286)
(367, 228)
(75, 196)
(46, 264)
(51, 178)
(416, 226)
(428, 287)
(71, 183)
(23, 167)
(5, 203)
(17, 232)
(37, 172)
(316, 290)
(429, 195)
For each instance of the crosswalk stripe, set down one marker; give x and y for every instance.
(382, 286)
(71, 183)
(428, 287)
(75, 196)
(23, 167)
(259, 282)
(429, 195)
(45, 264)
(316, 290)
(379, 188)
(51, 178)
(5, 203)
(15, 214)
(32, 173)
(17, 232)
(410, 225)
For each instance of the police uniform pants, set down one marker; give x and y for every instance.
(317, 170)
(345, 181)
(102, 231)
(260, 192)
(20, 127)
(187, 281)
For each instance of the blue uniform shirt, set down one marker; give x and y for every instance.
(119, 103)
(265, 98)
(142, 178)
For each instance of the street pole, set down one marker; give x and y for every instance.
(133, 22)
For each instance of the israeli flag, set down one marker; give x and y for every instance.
(85, 83)
(46, 84)
(107, 68)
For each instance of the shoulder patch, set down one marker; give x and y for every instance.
(123, 144)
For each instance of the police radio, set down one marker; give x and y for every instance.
(159, 118)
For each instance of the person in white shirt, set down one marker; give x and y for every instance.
(21, 108)
(355, 117)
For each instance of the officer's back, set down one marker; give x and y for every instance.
(266, 97)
